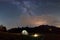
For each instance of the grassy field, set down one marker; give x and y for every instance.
(52, 36)
(18, 36)
(15, 36)
(9, 36)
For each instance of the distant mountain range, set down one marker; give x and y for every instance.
(39, 29)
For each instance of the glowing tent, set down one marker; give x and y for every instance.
(24, 32)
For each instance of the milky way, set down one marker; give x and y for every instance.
(15, 13)
(29, 17)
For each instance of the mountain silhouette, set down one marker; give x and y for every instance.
(38, 29)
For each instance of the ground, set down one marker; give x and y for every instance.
(18, 36)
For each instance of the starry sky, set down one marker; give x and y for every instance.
(14, 13)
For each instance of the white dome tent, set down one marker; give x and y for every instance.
(24, 32)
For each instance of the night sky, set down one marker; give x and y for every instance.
(14, 13)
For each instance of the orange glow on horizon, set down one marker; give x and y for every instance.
(37, 23)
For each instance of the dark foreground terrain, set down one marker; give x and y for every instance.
(18, 36)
